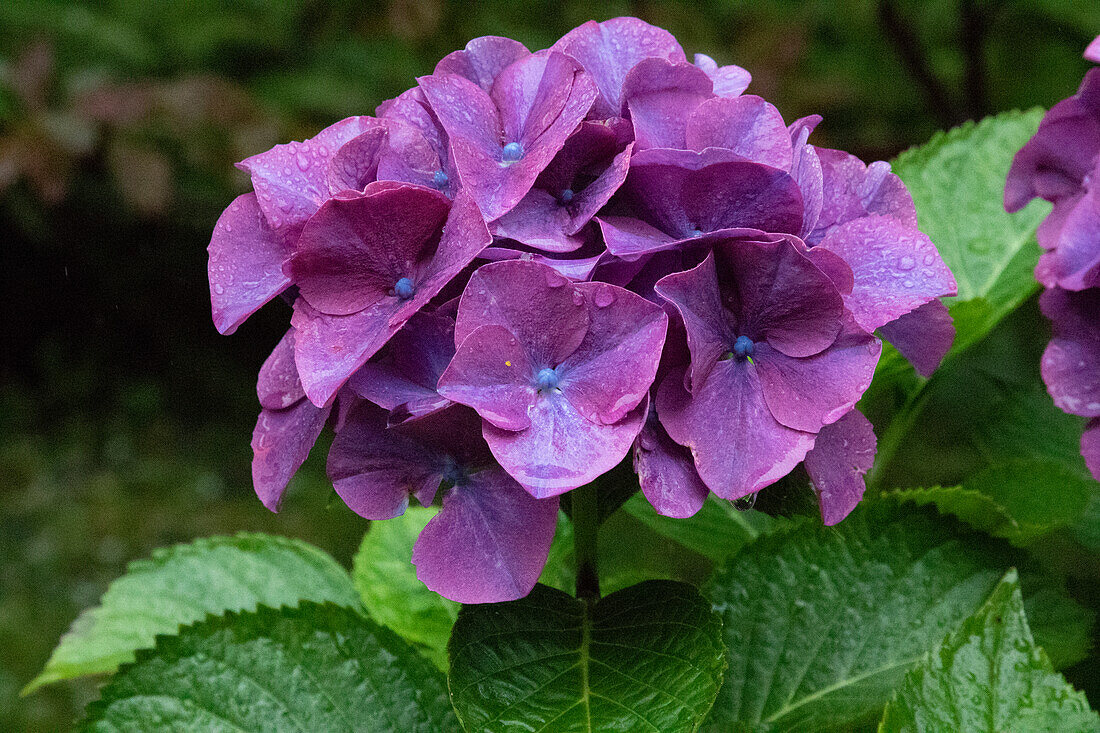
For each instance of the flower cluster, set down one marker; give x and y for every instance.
(1061, 164)
(531, 266)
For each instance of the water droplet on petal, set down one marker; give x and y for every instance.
(929, 259)
(302, 161)
(554, 279)
(907, 263)
(578, 298)
(604, 296)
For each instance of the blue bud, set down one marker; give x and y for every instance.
(440, 179)
(743, 347)
(566, 196)
(404, 288)
(547, 380)
(512, 152)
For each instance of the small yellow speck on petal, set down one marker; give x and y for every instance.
(507, 363)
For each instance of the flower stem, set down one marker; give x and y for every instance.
(586, 525)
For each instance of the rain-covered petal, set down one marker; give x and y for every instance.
(666, 473)
(1071, 362)
(729, 80)
(851, 190)
(492, 373)
(278, 386)
(574, 265)
(613, 367)
(739, 448)
(562, 449)
(810, 392)
(483, 59)
(923, 336)
(661, 96)
(489, 542)
(1073, 262)
(355, 164)
(281, 442)
(610, 49)
(375, 469)
(747, 125)
(534, 302)
(896, 268)
(291, 180)
(246, 263)
(843, 453)
(353, 250)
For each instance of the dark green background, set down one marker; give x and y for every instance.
(124, 417)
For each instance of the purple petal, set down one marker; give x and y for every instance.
(1074, 261)
(491, 373)
(291, 180)
(923, 336)
(608, 50)
(661, 96)
(808, 393)
(628, 237)
(374, 469)
(246, 263)
(748, 126)
(281, 443)
(278, 386)
(710, 330)
(667, 473)
(577, 269)
(539, 220)
(843, 453)
(409, 368)
(809, 175)
(482, 60)
(1071, 362)
(1092, 53)
(539, 306)
(896, 268)
(612, 369)
(729, 81)
(353, 251)
(1090, 446)
(851, 190)
(356, 163)
(489, 543)
(562, 450)
(738, 446)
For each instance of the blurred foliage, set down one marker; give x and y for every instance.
(124, 418)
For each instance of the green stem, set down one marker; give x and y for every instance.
(586, 525)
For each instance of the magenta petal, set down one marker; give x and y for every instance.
(738, 446)
(353, 250)
(489, 542)
(747, 125)
(577, 269)
(1092, 53)
(923, 336)
(562, 450)
(843, 453)
(661, 95)
(612, 369)
(278, 386)
(1090, 446)
(710, 328)
(896, 268)
(374, 469)
(356, 163)
(482, 59)
(291, 180)
(409, 368)
(667, 473)
(539, 220)
(851, 190)
(246, 263)
(608, 50)
(281, 443)
(1074, 263)
(491, 373)
(729, 81)
(808, 393)
(1071, 362)
(627, 237)
(538, 305)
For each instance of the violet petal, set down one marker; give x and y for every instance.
(843, 453)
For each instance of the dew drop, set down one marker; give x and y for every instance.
(908, 283)
(554, 279)
(219, 289)
(604, 297)
(929, 259)
(578, 298)
(907, 263)
(302, 161)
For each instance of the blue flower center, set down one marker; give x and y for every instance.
(512, 152)
(566, 196)
(743, 347)
(440, 179)
(404, 288)
(547, 380)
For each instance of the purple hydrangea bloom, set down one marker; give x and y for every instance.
(559, 371)
(490, 540)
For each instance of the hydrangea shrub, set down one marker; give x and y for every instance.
(601, 290)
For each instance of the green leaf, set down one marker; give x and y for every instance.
(717, 531)
(989, 675)
(313, 668)
(182, 584)
(385, 577)
(647, 658)
(957, 181)
(821, 623)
